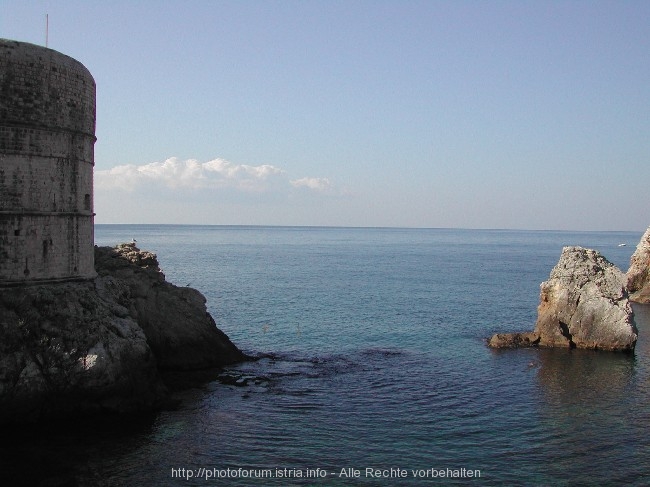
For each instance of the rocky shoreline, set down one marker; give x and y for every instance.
(101, 345)
(106, 345)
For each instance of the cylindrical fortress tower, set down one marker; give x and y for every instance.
(47, 137)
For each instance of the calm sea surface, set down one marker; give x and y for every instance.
(373, 356)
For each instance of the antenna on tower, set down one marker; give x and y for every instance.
(47, 28)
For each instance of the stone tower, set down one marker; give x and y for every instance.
(47, 137)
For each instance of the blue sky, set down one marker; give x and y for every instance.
(473, 114)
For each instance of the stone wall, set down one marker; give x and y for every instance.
(47, 136)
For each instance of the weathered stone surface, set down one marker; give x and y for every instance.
(584, 304)
(98, 345)
(47, 137)
(179, 330)
(638, 275)
(63, 351)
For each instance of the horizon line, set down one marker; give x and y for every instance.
(368, 227)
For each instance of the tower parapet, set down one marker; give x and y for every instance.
(47, 137)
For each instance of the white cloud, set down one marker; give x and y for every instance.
(215, 192)
(317, 184)
(189, 174)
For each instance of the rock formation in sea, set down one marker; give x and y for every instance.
(638, 275)
(584, 304)
(99, 345)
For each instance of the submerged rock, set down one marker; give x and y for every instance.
(638, 275)
(99, 345)
(584, 304)
(514, 340)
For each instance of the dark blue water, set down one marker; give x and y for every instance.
(374, 357)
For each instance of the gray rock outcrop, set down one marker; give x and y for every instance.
(64, 350)
(99, 345)
(584, 304)
(638, 275)
(181, 333)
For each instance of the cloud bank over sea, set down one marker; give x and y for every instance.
(217, 191)
(176, 174)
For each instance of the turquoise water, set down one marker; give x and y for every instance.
(372, 356)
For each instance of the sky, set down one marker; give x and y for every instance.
(455, 114)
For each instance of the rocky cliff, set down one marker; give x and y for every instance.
(99, 345)
(181, 333)
(584, 304)
(638, 275)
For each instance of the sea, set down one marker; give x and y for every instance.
(370, 368)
